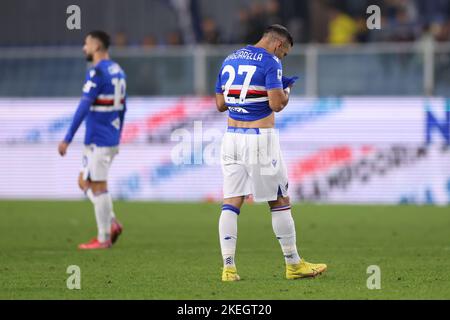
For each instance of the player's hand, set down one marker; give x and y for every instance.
(62, 148)
(288, 82)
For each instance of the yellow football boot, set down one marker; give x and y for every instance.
(230, 274)
(304, 270)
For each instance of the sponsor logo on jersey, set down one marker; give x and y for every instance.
(238, 109)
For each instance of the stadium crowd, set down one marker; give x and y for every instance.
(337, 22)
(159, 23)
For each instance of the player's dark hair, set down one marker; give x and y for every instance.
(102, 36)
(281, 31)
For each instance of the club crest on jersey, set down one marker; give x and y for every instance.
(238, 109)
(88, 85)
(114, 69)
(116, 123)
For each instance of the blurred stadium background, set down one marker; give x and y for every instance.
(369, 121)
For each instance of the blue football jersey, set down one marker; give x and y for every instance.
(244, 79)
(105, 86)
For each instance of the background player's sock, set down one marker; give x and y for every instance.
(91, 197)
(228, 233)
(284, 228)
(111, 212)
(103, 208)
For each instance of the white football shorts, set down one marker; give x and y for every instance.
(252, 164)
(97, 161)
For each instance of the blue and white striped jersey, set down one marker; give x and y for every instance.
(103, 105)
(105, 86)
(244, 79)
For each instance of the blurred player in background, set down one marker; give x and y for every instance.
(251, 87)
(103, 107)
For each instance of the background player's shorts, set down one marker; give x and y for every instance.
(97, 161)
(252, 164)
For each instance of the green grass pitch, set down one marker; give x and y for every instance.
(171, 251)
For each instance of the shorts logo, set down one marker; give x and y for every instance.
(85, 161)
(274, 163)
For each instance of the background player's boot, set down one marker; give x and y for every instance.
(116, 230)
(95, 244)
(304, 270)
(230, 274)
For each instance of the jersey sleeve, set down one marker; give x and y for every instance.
(80, 114)
(274, 74)
(93, 84)
(219, 82)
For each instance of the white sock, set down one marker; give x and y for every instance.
(91, 197)
(103, 208)
(284, 228)
(228, 233)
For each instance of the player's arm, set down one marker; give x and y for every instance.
(122, 117)
(220, 103)
(122, 113)
(80, 114)
(278, 98)
(220, 99)
(90, 91)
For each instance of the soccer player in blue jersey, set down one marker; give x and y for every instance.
(103, 107)
(251, 86)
